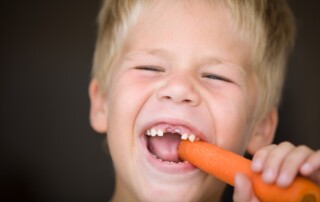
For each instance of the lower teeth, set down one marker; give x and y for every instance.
(155, 156)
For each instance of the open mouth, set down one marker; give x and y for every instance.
(163, 140)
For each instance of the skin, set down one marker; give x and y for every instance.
(190, 66)
(279, 164)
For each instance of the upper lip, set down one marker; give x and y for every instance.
(175, 122)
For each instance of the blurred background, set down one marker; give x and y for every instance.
(48, 150)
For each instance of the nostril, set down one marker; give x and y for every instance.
(182, 101)
(178, 90)
(177, 99)
(167, 97)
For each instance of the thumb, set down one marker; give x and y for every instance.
(243, 189)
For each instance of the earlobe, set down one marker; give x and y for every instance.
(264, 132)
(98, 107)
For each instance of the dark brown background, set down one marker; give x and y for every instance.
(48, 150)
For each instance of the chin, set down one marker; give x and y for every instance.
(173, 194)
(191, 187)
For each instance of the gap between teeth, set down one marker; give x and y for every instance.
(185, 136)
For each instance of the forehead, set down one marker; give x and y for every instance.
(193, 28)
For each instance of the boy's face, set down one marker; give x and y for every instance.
(182, 69)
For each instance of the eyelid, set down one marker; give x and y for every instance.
(216, 77)
(150, 68)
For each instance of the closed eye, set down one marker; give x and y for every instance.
(150, 68)
(216, 77)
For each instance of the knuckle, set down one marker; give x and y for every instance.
(303, 148)
(291, 160)
(286, 144)
(274, 154)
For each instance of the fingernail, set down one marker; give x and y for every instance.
(237, 180)
(306, 168)
(268, 176)
(283, 180)
(256, 165)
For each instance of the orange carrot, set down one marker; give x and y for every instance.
(224, 165)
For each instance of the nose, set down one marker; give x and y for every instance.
(179, 89)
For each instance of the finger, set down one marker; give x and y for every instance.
(315, 177)
(311, 168)
(243, 190)
(311, 164)
(274, 161)
(291, 165)
(260, 157)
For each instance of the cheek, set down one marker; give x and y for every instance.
(127, 96)
(232, 132)
(233, 124)
(122, 109)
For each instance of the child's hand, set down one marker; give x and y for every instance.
(243, 190)
(279, 164)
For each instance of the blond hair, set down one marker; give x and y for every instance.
(268, 24)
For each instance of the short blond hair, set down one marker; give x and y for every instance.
(269, 25)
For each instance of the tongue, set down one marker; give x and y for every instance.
(165, 147)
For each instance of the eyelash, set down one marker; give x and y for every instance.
(216, 77)
(149, 68)
(209, 76)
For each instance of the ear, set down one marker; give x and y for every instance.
(98, 107)
(264, 131)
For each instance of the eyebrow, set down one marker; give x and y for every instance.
(153, 52)
(220, 60)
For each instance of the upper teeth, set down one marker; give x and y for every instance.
(185, 136)
(153, 132)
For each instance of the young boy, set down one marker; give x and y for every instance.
(198, 69)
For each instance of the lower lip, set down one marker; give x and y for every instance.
(165, 166)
